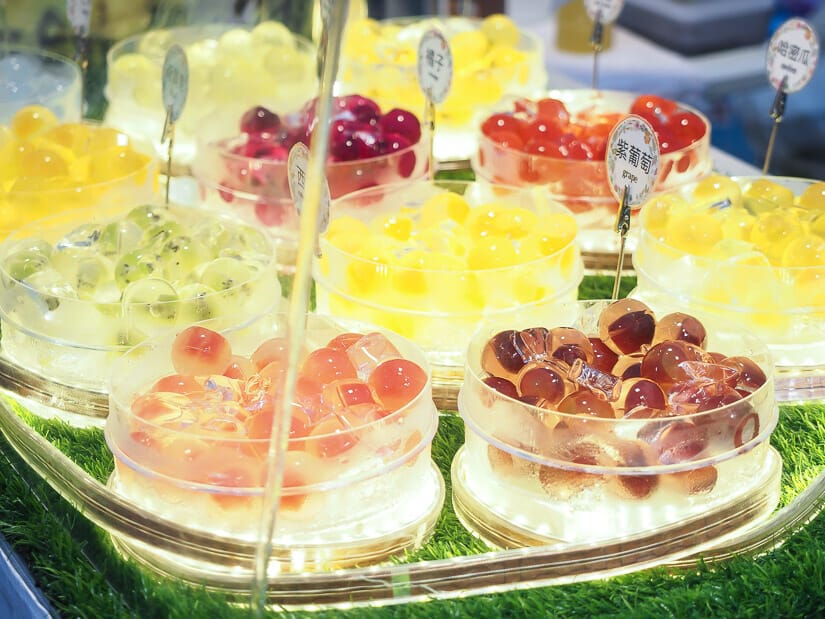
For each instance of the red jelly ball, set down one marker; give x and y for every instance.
(499, 122)
(397, 382)
(260, 120)
(199, 351)
(325, 365)
(401, 122)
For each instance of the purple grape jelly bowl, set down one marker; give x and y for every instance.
(637, 419)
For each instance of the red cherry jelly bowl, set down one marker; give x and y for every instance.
(432, 260)
(563, 150)
(553, 439)
(748, 250)
(191, 414)
(255, 187)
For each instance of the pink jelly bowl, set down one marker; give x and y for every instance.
(201, 448)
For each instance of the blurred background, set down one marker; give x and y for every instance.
(707, 53)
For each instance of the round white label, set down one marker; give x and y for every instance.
(632, 159)
(605, 10)
(435, 66)
(175, 82)
(79, 13)
(297, 165)
(792, 55)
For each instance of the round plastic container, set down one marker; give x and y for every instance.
(532, 476)
(726, 260)
(80, 288)
(379, 61)
(35, 77)
(50, 168)
(358, 484)
(582, 185)
(398, 256)
(230, 70)
(257, 190)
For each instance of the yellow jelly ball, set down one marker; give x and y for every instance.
(769, 191)
(818, 225)
(807, 250)
(467, 47)
(42, 163)
(717, 188)
(736, 223)
(347, 233)
(115, 163)
(554, 232)
(398, 227)
(813, 198)
(74, 136)
(657, 211)
(773, 230)
(695, 233)
(443, 206)
(492, 252)
(500, 30)
(368, 271)
(271, 33)
(31, 120)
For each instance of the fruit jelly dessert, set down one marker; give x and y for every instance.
(49, 166)
(353, 415)
(634, 368)
(255, 164)
(229, 71)
(103, 285)
(488, 255)
(489, 60)
(544, 130)
(737, 230)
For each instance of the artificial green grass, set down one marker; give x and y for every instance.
(75, 564)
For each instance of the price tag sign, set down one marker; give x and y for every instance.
(632, 160)
(605, 11)
(792, 55)
(297, 164)
(435, 66)
(79, 13)
(175, 82)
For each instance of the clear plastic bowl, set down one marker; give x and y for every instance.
(582, 185)
(230, 70)
(36, 77)
(70, 331)
(349, 495)
(530, 475)
(257, 190)
(783, 305)
(474, 91)
(84, 147)
(438, 305)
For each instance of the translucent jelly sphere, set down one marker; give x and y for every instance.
(680, 326)
(626, 325)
